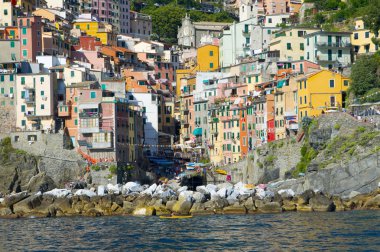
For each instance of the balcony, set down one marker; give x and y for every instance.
(246, 33)
(185, 123)
(100, 145)
(336, 44)
(89, 115)
(30, 100)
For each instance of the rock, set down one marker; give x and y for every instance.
(182, 189)
(92, 212)
(199, 209)
(222, 192)
(289, 205)
(170, 204)
(40, 183)
(303, 199)
(373, 203)
(211, 188)
(63, 205)
(27, 205)
(5, 211)
(132, 187)
(287, 193)
(320, 203)
(101, 190)
(142, 200)
(14, 198)
(114, 189)
(304, 208)
(79, 185)
(85, 192)
(128, 207)
(225, 185)
(236, 209)
(260, 193)
(270, 207)
(353, 194)
(186, 195)
(150, 190)
(58, 193)
(144, 211)
(115, 207)
(339, 206)
(217, 204)
(203, 190)
(182, 207)
(199, 197)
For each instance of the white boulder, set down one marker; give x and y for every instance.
(86, 192)
(182, 189)
(286, 193)
(59, 193)
(101, 190)
(212, 187)
(186, 195)
(150, 190)
(113, 189)
(222, 193)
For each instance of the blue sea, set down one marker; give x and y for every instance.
(343, 231)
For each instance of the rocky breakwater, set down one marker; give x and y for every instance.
(144, 200)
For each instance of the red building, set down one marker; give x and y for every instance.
(30, 34)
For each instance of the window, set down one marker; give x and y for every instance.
(305, 100)
(2, 78)
(104, 86)
(88, 27)
(211, 53)
(2, 90)
(332, 83)
(42, 106)
(22, 108)
(24, 31)
(269, 20)
(308, 56)
(339, 53)
(24, 42)
(22, 80)
(75, 109)
(289, 46)
(93, 95)
(302, 46)
(168, 119)
(356, 35)
(211, 65)
(76, 122)
(269, 32)
(11, 90)
(77, 26)
(5, 12)
(22, 94)
(307, 41)
(11, 77)
(23, 123)
(345, 83)
(12, 44)
(304, 84)
(25, 53)
(367, 35)
(300, 84)
(72, 74)
(42, 79)
(42, 93)
(300, 100)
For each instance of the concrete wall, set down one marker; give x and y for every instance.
(60, 164)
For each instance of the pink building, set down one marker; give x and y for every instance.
(276, 6)
(30, 37)
(113, 12)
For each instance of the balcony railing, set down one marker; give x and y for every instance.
(88, 115)
(100, 145)
(336, 44)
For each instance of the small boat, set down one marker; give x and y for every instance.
(175, 216)
(221, 172)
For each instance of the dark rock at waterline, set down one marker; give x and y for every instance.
(321, 203)
(12, 199)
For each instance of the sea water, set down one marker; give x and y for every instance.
(340, 231)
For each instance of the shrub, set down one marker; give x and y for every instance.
(360, 129)
(280, 144)
(259, 164)
(269, 160)
(113, 169)
(337, 126)
(303, 150)
(95, 167)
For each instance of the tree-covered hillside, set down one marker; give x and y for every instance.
(167, 16)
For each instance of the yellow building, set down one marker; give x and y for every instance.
(208, 58)
(291, 43)
(361, 39)
(97, 29)
(321, 92)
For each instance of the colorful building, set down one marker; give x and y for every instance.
(208, 58)
(104, 32)
(321, 92)
(30, 35)
(361, 39)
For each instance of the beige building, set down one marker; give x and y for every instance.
(361, 39)
(7, 15)
(35, 101)
(291, 43)
(140, 25)
(12, 47)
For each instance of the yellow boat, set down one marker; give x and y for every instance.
(221, 172)
(175, 217)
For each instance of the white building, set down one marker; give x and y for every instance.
(59, 4)
(328, 49)
(35, 101)
(140, 25)
(150, 103)
(7, 15)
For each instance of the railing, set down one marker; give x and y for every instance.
(88, 115)
(336, 44)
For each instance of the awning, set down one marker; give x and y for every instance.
(281, 83)
(197, 132)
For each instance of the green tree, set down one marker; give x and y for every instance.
(372, 19)
(364, 75)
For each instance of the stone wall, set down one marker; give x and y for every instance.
(60, 164)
